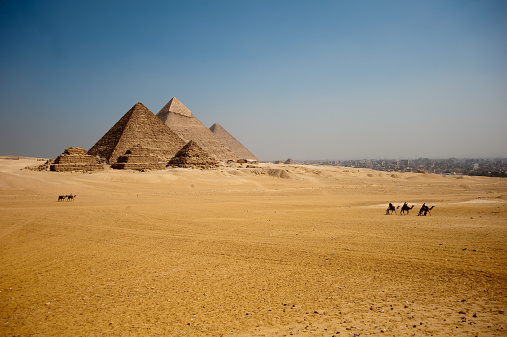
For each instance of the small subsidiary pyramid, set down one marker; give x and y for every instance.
(75, 159)
(232, 143)
(138, 158)
(192, 156)
(181, 120)
(138, 127)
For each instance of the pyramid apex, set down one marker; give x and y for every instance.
(174, 105)
(139, 105)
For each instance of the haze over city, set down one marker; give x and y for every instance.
(298, 79)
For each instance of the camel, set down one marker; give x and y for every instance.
(405, 208)
(390, 209)
(62, 197)
(425, 209)
(71, 197)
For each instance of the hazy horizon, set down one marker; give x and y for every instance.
(289, 79)
(400, 158)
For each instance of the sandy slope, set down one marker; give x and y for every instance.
(307, 251)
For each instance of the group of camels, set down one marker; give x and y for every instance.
(405, 208)
(69, 197)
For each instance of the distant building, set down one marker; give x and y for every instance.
(403, 163)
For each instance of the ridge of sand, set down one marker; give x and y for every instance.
(235, 252)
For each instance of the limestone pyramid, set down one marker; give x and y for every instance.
(232, 143)
(193, 156)
(138, 158)
(289, 162)
(181, 120)
(75, 159)
(138, 126)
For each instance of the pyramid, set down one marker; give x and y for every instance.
(138, 158)
(138, 126)
(75, 159)
(232, 143)
(193, 156)
(180, 119)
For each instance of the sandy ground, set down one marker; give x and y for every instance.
(250, 252)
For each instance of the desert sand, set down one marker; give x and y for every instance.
(280, 250)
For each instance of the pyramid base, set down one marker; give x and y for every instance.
(137, 166)
(75, 167)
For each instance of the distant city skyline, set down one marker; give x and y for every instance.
(449, 166)
(294, 79)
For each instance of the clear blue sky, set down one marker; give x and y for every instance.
(289, 79)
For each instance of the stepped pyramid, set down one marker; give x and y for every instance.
(138, 127)
(232, 143)
(75, 159)
(179, 119)
(138, 158)
(192, 156)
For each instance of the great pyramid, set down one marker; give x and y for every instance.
(192, 156)
(140, 127)
(232, 143)
(179, 119)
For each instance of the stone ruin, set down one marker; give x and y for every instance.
(75, 159)
(138, 158)
(193, 156)
(289, 162)
(43, 167)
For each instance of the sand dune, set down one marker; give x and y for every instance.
(274, 250)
